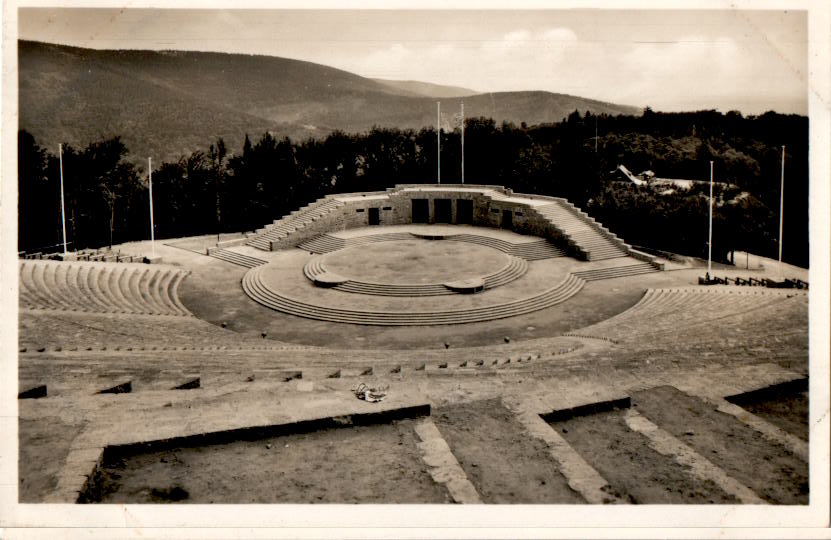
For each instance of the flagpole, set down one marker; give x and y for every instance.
(710, 240)
(63, 215)
(463, 142)
(438, 142)
(781, 209)
(152, 227)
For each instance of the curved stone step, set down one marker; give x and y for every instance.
(323, 243)
(253, 286)
(55, 278)
(140, 293)
(495, 243)
(516, 268)
(34, 295)
(174, 294)
(78, 282)
(68, 290)
(125, 283)
(145, 287)
(116, 284)
(92, 284)
(616, 271)
(46, 278)
(233, 257)
(101, 284)
(148, 286)
(537, 250)
(99, 288)
(162, 286)
(664, 310)
(115, 288)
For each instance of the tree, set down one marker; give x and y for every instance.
(116, 180)
(273, 176)
(37, 195)
(216, 154)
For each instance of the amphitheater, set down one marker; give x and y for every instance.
(519, 352)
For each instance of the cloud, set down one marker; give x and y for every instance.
(689, 71)
(507, 61)
(720, 71)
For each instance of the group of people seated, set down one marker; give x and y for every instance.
(751, 281)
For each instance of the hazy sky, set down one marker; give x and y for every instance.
(670, 60)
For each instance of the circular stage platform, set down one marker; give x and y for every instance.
(409, 280)
(411, 262)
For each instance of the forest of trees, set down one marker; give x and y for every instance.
(227, 190)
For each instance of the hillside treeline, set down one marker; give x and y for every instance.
(225, 190)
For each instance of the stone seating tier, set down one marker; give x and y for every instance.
(326, 243)
(254, 286)
(100, 287)
(616, 271)
(233, 257)
(670, 311)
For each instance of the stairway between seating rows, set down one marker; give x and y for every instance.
(296, 220)
(588, 236)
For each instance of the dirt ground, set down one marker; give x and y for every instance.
(42, 454)
(772, 471)
(787, 411)
(500, 459)
(366, 464)
(633, 469)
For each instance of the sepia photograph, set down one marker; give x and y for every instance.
(465, 266)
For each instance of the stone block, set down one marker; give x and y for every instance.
(33, 393)
(287, 376)
(189, 385)
(123, 388)
(587, 409)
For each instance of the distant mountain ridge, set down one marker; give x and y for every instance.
(425, 89)
(167, 104)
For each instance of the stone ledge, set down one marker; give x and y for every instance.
(467, 286)
(271, 430)
(329, 279)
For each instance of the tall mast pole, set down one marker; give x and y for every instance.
(63, 215)
(463, 142)
(710, 239)
(438, 142)
(781, 209)
(152, 228)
